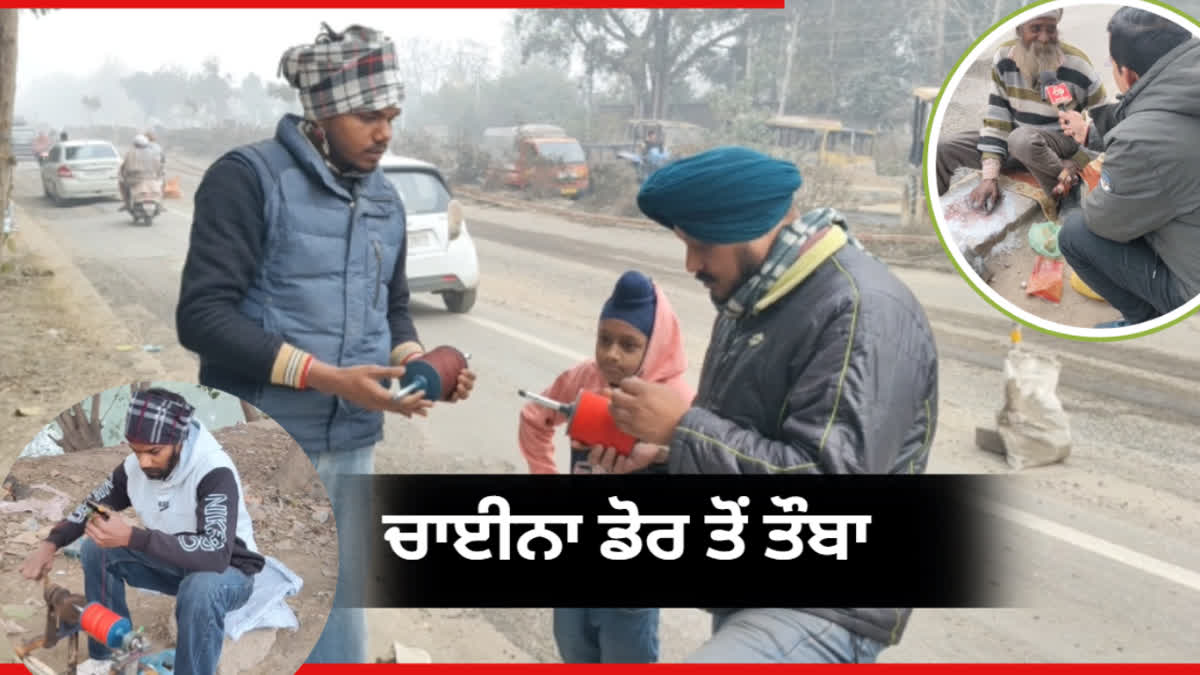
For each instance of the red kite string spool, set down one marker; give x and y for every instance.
(105, 625)
(589, 420)
(592, 423)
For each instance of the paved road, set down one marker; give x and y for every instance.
(1110, 538)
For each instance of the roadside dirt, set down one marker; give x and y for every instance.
(53, 353)
(293, 523)
(1013, 270)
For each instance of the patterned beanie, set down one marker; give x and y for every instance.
(157, 417)
(348, 72)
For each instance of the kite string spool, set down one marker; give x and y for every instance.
(447, 362)
(99, 622)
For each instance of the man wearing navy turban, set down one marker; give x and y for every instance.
(821, 361)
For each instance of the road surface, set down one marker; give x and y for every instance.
(1110, 539)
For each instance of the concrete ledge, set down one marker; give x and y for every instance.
(976, 234)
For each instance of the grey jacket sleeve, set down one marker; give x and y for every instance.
(851, 406)
(1133, 197)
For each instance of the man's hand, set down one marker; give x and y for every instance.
(608, 460)
(1073, 125)
(39, 562)
(466, 382)
(1067, 178)
(985, 195)
(648, 411)
(361, 386)
(111, 532)
(413, 404)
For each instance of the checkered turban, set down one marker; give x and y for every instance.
(348, 72)
(157, 417)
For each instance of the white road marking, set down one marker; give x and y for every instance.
(572, 355)
(1102, 547)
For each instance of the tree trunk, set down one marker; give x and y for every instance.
(8, 93)
(939, 40)
(78, 431)
(789, 51)
(832, 31)
(748, 76)
(997, 10)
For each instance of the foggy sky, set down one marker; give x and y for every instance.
(78, 41)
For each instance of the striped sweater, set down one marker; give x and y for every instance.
(1012, 102)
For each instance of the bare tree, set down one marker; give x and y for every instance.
(8, 93)
(789, 57)
(81, 431)
(653, 48)
(9, 22)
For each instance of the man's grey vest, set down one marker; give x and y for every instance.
(323, 285)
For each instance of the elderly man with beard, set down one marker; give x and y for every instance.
(295, 292)
(1020, 129)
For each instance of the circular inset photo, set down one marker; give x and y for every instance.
(1063, 167)
(165, 527)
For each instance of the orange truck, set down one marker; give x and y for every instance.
(538, 156)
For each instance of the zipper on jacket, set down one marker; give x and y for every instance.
(378, 271)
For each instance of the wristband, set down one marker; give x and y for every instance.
(303, 380)
(405, 351)
(290, 364)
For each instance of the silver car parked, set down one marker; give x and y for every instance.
(81, 169)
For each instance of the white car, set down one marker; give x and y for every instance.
(81, 169)
(441, 255)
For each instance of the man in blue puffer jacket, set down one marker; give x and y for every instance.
(294, 292)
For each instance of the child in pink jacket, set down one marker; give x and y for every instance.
(638, 334)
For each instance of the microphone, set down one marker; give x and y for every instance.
(1054, 91)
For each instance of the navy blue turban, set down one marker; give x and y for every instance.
(726, 195)
(633, 301)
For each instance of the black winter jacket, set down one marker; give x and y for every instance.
(837, 376)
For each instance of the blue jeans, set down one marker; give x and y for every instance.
(1131, 277)
(606, 635)
(783, 636)
(201, 600)
(344, 639)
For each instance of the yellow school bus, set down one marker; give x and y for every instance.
(825, 142)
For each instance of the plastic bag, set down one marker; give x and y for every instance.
(1047, 279)
(1043, 239)
(1083, 289)
(1032, 423)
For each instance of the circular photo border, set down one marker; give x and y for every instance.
(933, 203)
